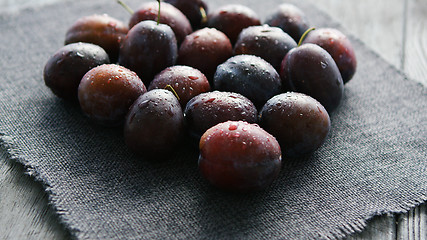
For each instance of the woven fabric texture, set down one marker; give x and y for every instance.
(373, 162)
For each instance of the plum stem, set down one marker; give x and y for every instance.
(158, 13)
(125, 6)
(304, 35)
(204, 16)
(173, 91)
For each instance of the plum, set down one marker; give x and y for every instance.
(249, 75)
(231, 19)
(240, 157)
(154, 124)
(65, 69)
(338, 46)
(269, 43)
(298, 122)
(311, 70)
(208, 109)
(186, 81)
(101, 30)
(148, 48)
(106, 92)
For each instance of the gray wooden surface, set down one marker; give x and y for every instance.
(395, 29)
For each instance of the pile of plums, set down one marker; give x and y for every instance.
(249, 92)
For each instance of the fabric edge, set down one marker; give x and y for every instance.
(13, 154)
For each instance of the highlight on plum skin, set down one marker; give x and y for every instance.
(238, 156)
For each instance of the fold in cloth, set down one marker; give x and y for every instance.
(373, 162)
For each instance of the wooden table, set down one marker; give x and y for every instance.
(395, 29)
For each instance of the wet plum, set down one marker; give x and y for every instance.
(339, 46)
(101, 30)
(238, 156)
(194, 10)
(299, 123)
(186, 81)
(290, 19)
(169, 15)
(249, 75)
(64, 70)
(205, 49)
(106, 92)
(269, 43)
(148, 48)
(154, 124)
(231, 19)
(208, 109)
(311, 70)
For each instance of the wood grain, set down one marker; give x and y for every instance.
(24, 209)
(395, 29)
(415, 58)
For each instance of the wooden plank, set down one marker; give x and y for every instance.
(25, 213)
(379, 23)
(380, 227)
(413, 225)
(415, 58)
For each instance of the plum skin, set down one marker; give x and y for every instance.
(338, 46)
(311, 70)
(154, 124)
(148, 48)
(186, 81)
(239, 157)
(106, 92)
(169, 15)
(208, 109)
(298, 122)
(290, 19)
(205, 49)
(231, 19)
(269, 43)
(101, 30)
(65, 69)
(249, 75)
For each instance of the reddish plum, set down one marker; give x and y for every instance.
(106, 92)
(101, 30)
(186, 81)
(238, 156)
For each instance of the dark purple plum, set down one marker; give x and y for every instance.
(205, 49)
(186, 81)
(298, 122)
(249, 75)
(101, 30)
(106, 92)
(239, 157)
(208, 109)
(311, 70)
(154, 125)
(231, 19)
(290, 19)
(65, 69)
(169, 15)
(148, 48)
(195, 10)
(269, 43)
(339, 46)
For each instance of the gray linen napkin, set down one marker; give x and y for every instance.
(373, 162)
